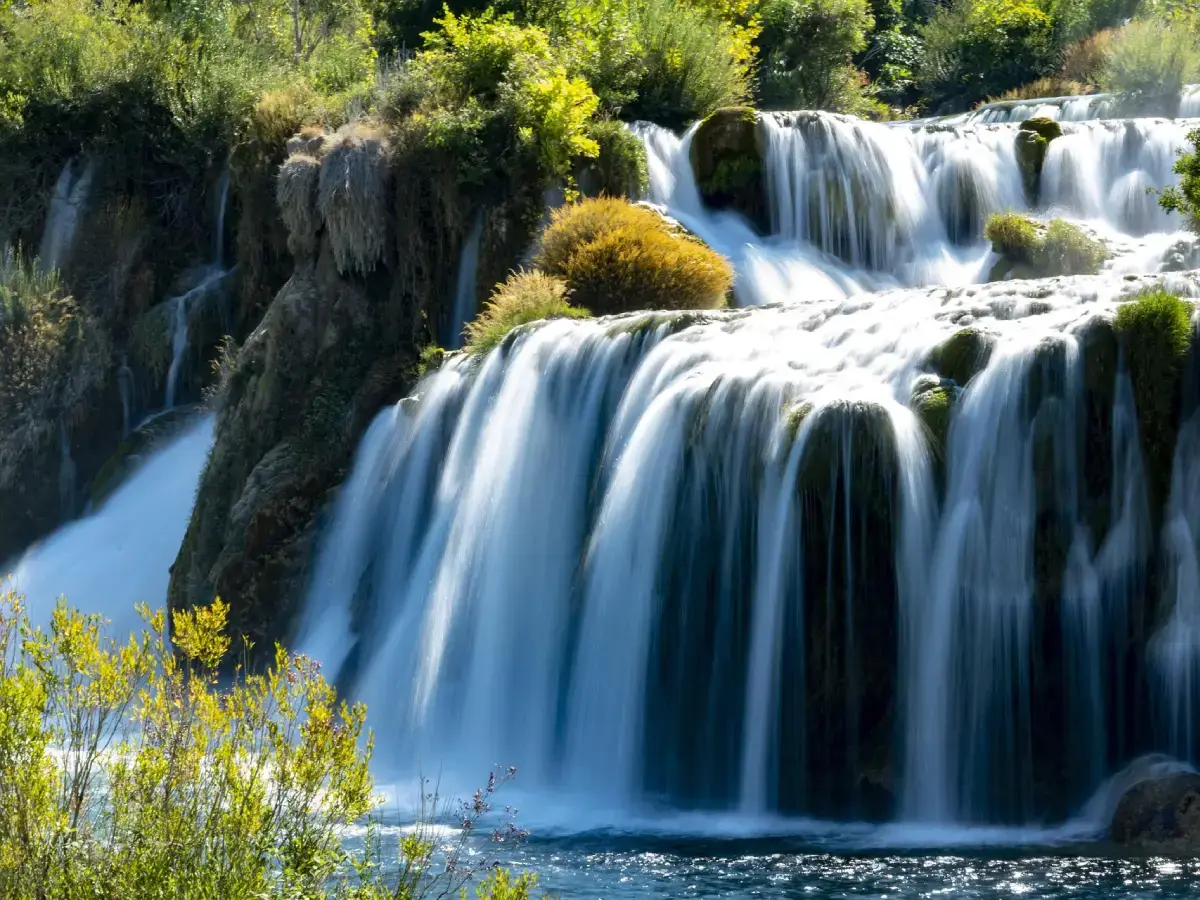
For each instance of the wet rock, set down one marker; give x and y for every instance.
(1160, 813)
(728, 162)
(1033, 142)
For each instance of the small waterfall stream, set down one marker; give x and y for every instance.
(71, 193)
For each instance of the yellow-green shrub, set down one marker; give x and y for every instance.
(1013, 236)
(525, 297)
(616, 257)
(130, 769)
(1058, 248)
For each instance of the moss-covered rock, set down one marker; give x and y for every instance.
(963, 355)
(1154, 332)
(1030, 249)
(727, 160)
(933, 402)
(1032, 144)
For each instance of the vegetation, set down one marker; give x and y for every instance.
(1152, 57)
(525, 297)
(127, 770)
(617, 257)
(1154, 332)
(53, 358)
(1030, 250)
(1185, 199)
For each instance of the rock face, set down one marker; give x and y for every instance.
(329, 353)
(1161, 813)
(727, 159)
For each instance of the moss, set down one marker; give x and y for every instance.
(794, 418)
(617, 257)
(1154, 333)
(1014, 237)
(933, 403)
(1032, 144)
(726, 156)
(963, 355)
(525, 297)
(1067, 250)
(430, 360)
(620, 169)
(853, 433)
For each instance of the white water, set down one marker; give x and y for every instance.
(466, 287)
(1077, 109)
(70, 196)
(121, 553)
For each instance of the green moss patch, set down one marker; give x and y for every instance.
(963, 355)
(1154, 332)
(1032, 144)
(1029, 249)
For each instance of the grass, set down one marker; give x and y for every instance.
(1059, 249)
(525, 297)
(1013, 236)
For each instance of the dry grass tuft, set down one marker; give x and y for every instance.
(525, 297)
(296, 195)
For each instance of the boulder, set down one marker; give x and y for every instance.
(1160, 813)
(728, 162)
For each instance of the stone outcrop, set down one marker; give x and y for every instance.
(1161, 814)
(728, 162)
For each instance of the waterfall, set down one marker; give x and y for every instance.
(71, 193)
(208, 286)
(1175, 649)
(466, 291)
(120, 554)
(598, 549)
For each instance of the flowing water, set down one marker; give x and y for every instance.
(721, 584)
(71, 193)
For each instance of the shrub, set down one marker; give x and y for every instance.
(1150, 57)
(1085, 61)
(807, 47)
(616, 257)
(689, 65)
(981, 48)
(131, 769)
(1185, 199)
(620, 168)
(525, 297)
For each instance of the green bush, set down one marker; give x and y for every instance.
(525, 297)
(981, 48)
(1185, 199)
(807, 47)
(132, 769)
(620, 168)
(617, 257)
(1152, 57)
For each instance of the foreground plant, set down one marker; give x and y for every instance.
(131, 770)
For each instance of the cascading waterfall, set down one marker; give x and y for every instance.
(208, 286)
(71, 193)
(1083, 108)
(721, 564)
